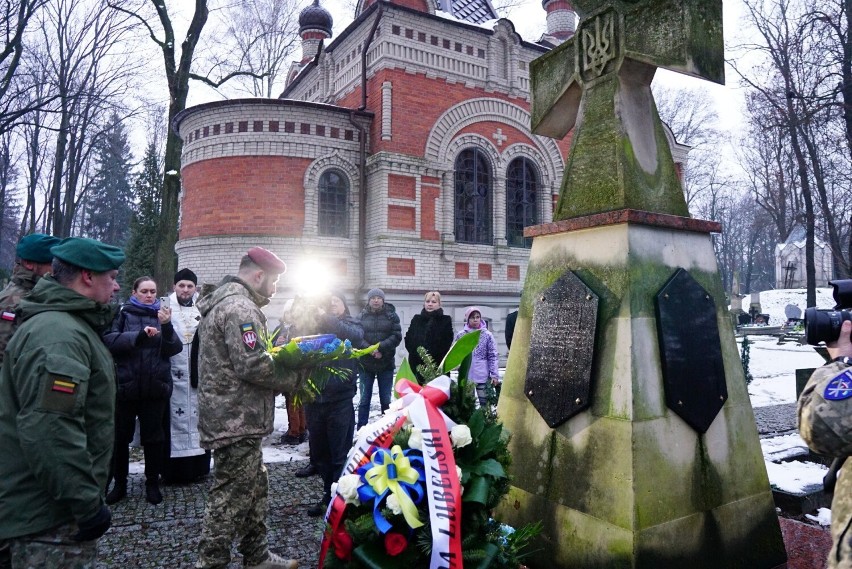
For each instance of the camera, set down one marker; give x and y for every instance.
(824, 325)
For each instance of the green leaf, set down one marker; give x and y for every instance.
(489, 467)
(464, 367)
(373, 556)
(490, 552)
(476, 424)
(476, 490)
(460, 349)
(405, 371)
(487, 440)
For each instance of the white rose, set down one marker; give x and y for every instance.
(458, 472)
(392, 503)
(395, 405)
(415, 441)
(347, 487)
(461, 436)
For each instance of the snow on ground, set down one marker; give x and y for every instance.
(774, 302)
(773, 369)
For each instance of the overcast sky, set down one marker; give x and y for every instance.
(530, 21)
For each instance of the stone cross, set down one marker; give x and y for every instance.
(499, 137)
(599, 81)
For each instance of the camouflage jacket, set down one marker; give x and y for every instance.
(825, 423)
(238, 379)
(22, 282)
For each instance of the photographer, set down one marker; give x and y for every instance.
(825, 423)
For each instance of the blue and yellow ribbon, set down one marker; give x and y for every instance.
(394, 472)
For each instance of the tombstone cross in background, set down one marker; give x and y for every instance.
(600, 81)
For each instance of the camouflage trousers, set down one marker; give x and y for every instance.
(236, 507)
(53, 548)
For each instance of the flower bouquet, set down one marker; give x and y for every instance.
(315, 353)
(420, 482)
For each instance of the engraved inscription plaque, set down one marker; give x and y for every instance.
(562, 342)
(691, 351)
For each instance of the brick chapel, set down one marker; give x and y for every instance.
(399, 156)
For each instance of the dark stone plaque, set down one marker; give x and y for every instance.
(691, 351)
(562, 342)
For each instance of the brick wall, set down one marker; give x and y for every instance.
(402, 217)
(243, 194)
(401, 267)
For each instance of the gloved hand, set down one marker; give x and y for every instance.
(94, 527)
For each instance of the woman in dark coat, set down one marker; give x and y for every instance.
(141, 341)
(331, 416)
(430, 329)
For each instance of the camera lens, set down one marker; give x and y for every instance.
(824, 325)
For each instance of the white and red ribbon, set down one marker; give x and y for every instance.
(422, 406)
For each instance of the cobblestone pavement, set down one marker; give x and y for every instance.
(774, 420)
(166, 535)
(146, 536)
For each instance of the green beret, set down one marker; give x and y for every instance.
(88, 254)
(35, 247)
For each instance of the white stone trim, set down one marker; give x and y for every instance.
(333, 161)
(387, 109)
(545, 169)
(472, 111)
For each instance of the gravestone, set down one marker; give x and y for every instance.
(626, 481)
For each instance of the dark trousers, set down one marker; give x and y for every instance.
(331, 427)
(151, 416)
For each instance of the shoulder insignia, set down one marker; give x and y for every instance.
(7, 316)
(63, 386)
(839, 388)
(249, 335)
(60, 395)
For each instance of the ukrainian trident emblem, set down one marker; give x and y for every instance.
(598, 43)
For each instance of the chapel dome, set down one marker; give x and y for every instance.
(315, 17)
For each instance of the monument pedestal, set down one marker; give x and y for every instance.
(627, 482)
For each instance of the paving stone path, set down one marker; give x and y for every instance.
(146, 536)
(166, 535)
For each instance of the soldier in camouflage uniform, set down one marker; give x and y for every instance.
(238, 382)
(825, 423)
(32, 263)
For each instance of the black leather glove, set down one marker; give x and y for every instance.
(94, 527)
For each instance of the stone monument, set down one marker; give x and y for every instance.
(634, 440)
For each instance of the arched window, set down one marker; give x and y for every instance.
(333, 204)
(521, 192)
(473, 197)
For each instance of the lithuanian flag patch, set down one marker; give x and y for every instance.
(63, 386)
(60, 394)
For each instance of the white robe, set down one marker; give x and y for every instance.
(184, 402)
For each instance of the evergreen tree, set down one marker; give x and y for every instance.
(143, 225)
(110, 202)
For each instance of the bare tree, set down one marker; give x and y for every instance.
(16, 100)
(178, 72)
(784, 46)
(770, 175)
(261, 40)
(89, 79)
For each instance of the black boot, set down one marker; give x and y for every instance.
(152, 492)
(154, 459)
(118, 492)
(320, 507)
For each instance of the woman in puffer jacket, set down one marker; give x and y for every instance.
(483, 367)
(141, 341)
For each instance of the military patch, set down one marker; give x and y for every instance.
(7, 316)
(59, 395)
(249, 335)
(839, 388)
